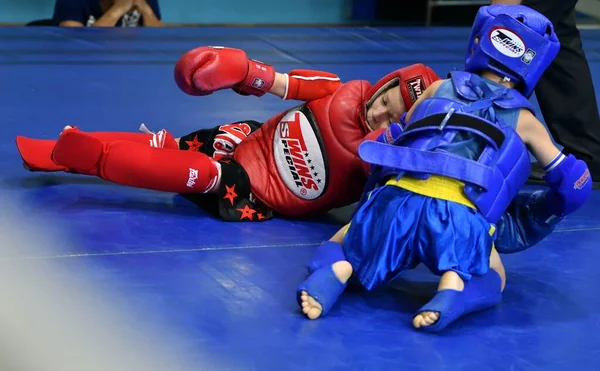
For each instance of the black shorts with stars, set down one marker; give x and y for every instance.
(233, 200)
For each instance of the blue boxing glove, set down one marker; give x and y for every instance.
(533, 215)
(570, 184)
(526, 222)
(392, 133)
(388, 136)
(403, 124)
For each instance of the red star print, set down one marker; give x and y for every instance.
(194, 144)
(246, 212)
(226, 161)
(231, 195)
(260, 216)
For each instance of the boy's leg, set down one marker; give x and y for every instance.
(136, 164)
(329, 274)
(449, 281)
(470, 269)
(328, 253)
(328, 283)
(455, 297)
(374, 254)
(220, 141)
(36, 153)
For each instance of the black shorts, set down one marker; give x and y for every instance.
(232, 201)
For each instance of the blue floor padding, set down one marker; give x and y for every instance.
(228, 289)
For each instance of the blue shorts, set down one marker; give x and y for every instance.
(396, 229)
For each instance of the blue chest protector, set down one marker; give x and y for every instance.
(461, 137)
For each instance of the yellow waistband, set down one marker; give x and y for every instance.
(436, 187)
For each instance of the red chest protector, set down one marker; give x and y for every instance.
(304, 161)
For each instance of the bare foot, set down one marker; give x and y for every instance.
(68, 127)
(450, 281)
(425, 319)
(312, 308)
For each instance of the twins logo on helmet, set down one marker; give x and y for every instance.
(415, 87)
(507, 42)
(298, 156)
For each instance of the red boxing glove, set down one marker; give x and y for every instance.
(206, 69)
(414, 80)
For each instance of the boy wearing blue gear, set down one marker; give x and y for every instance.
(442, 180)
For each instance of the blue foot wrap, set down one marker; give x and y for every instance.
(323, 286)
(326, 254)
(480, 292)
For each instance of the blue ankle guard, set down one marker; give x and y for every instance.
(323, 286)
(480, 292)
(326, 254)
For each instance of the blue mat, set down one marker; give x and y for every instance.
(229, 288)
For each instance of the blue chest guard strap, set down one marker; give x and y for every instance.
(458, 121)
(440, 163)
(414, 160)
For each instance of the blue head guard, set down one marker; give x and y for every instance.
(515, 42)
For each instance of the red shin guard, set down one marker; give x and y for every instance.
(36, 152)
(136, 164)
(162, 139)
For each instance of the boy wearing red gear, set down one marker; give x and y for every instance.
(300, 162)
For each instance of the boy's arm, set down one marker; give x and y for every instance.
(536, 137)
(568, 177)
(204, 70)
(305, 85)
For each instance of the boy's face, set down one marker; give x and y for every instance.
(385, 109)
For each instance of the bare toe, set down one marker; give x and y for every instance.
(425, 319)
(431, 318)
(310, 307)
